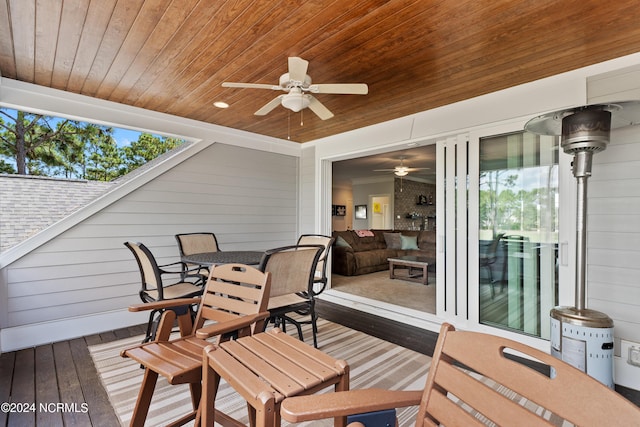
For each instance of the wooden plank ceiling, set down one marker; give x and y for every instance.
(172, 55)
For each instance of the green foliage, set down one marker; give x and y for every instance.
(6, 167)
(147, 148)
(48, 146)
(504, 207)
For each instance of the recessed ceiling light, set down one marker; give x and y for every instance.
(221, 104)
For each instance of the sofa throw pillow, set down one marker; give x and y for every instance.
(392, 240)
(409, 242)
(364, 233)
(341, 242)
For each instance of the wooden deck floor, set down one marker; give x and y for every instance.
(54, 374)
(63, 372)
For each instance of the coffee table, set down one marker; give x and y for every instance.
(416, 266)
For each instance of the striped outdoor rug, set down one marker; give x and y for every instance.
(373, 363)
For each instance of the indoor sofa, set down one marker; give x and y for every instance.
(366, 251)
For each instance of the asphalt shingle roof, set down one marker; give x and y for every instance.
(29, 204)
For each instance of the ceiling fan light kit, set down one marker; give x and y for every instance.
(295, 100)
(401, 171)
(297, 84)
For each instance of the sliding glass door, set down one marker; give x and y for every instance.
(518, 202)
(498, 230)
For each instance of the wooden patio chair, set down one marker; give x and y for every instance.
(292, 271)
(156, 285)
(195, 243)
(492, 387)
(234, 304)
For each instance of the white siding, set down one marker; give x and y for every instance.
(247, 197)
(613, 233)
(308, 200)
(613, 213)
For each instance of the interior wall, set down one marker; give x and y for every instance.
(342, 196)
(361, 193)
(414, 205)
(381, 211)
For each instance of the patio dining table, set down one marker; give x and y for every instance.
(224, 257)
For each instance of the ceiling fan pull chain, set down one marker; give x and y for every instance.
(289, 126)
(301, 117)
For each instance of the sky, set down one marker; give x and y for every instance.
(125, 137)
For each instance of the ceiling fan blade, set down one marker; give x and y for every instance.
(318, 108)
(269, 106)
(341, 88)
(251, 85)
(384, 170)
(297, 69)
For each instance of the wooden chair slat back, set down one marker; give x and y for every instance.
(233, 290)
(247, 293)
(216, 315)
(486, 373)
(239, 307)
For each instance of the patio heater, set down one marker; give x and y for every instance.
(580, 336)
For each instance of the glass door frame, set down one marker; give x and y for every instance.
(458, 239)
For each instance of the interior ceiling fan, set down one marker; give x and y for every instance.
(400, 170)
(297, 85)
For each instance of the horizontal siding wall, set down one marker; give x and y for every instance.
(248, 198)
(613, 213)
(613, 233)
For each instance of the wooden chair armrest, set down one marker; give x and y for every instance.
(168, 303)
(230, 326)
(315, 407)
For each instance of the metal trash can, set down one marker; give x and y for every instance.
(584, 339)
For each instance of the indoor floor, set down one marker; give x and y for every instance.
(378, 286)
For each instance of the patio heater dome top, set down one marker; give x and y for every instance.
(623, 113)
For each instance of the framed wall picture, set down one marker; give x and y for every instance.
(338, 210)
(361, 212)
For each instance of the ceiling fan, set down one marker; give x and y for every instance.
(400, 170)
(297, 85)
